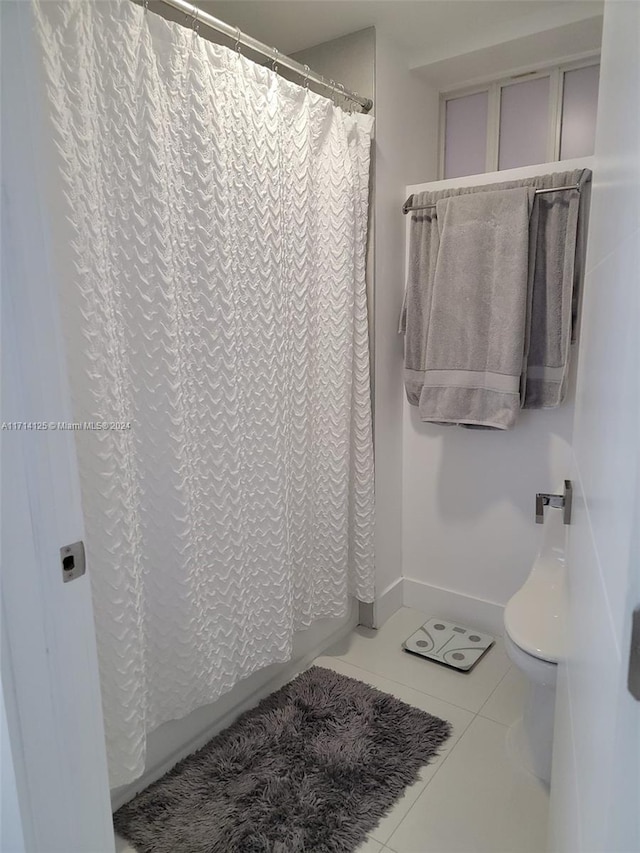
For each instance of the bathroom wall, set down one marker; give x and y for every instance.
(469, 535)
(596, 767)
(406, 151)
(456, 532)
(349, 60)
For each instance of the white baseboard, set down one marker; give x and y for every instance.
(387, 603)
(435, 601)
(311, 644)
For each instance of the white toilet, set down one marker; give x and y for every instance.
(534, 626)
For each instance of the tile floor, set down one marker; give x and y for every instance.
(473, 798)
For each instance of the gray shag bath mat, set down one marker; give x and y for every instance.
(312, 768)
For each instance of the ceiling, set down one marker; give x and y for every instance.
(427, 30)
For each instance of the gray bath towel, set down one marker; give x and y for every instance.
(480, 306)
(557, 223)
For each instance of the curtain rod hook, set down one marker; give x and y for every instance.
(307, 71)
(334, 94)
(237, 44)
(343, 95)
(195, 24)
(274, 61)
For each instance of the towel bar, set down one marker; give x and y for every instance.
(407, 207)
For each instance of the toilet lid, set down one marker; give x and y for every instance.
(534, 617)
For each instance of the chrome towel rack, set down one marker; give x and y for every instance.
(407, 207)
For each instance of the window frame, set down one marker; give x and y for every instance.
(494, 88)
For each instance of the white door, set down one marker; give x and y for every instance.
(50, 688)
(595, 791)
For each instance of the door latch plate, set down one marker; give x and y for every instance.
(72, 560)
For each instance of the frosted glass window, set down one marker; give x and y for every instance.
(524, 123)
(579, 106)
(465, 146)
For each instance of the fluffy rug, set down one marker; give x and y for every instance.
(312, 768)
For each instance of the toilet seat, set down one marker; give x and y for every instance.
(534, 616)
(538, 671)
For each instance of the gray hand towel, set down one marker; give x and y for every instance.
(476, 340)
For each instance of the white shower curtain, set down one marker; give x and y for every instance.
(214, 297)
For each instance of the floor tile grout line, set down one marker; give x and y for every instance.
(449, 753)
(495, 688)
(417, 689)
(419, 797)
(438, 768)
(420, 793)
(474, 714)
(432, 777)
(491, 720)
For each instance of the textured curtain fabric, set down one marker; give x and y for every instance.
(214, 298)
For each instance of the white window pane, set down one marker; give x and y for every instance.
(524, 123)
(465, 146)
(579, 106)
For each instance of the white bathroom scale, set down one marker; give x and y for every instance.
(449, 643)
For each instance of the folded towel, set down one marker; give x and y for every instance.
(476, 338)
(558, 256)
(558, 264)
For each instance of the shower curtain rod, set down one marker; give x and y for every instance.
(201, 17)
(407, 207)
